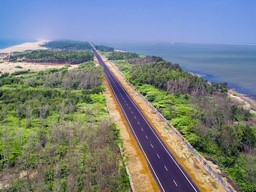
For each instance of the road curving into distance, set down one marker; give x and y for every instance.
(166, 171)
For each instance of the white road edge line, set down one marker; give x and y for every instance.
(157, 138)
(175, 183)
(146, 136)
(136, 136)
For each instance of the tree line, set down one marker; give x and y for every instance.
(171, 78)
(118, 55)
(51, 56)
(104, 48)
(68, 45)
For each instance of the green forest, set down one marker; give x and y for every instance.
(222, 131)
(60, 52)
(55, 133)
(116, 55)
(53, 56)
(68, 45)
(104, 48)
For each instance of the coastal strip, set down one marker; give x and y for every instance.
(37, 45)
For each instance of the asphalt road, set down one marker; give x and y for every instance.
(168, 174)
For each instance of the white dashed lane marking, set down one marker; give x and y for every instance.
(175, 183)
(165, 168)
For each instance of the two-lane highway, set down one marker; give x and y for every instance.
(168, 174)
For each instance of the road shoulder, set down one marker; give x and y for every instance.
(184, 157)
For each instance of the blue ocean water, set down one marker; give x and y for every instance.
(234, 64)
(8, 43)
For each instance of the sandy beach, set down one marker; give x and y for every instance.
(248, 103)
(25, 47)
(11, 67)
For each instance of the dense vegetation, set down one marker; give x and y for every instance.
(68, 45)
(118, 55)
(146, 59)
(51, 56)
(221, 130)
(104, 48)
(55, 134)
(75, 46)
(171, 78)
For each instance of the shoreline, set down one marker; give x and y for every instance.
(209, 77)
(189, 59)
(37, 45)
(247, 101)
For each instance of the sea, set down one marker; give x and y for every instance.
(8, 43)
(234, 64)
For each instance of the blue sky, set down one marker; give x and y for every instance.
(214, 21)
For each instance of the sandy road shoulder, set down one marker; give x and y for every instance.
(199, 175)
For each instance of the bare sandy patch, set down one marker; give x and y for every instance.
(201, 177)
(247, 102)
(25, 47)
(11, 67)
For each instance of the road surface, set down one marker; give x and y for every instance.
(166, 171)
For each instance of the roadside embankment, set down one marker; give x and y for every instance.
(185, 158)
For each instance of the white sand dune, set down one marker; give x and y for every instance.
(25, 46)
(11, 67)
